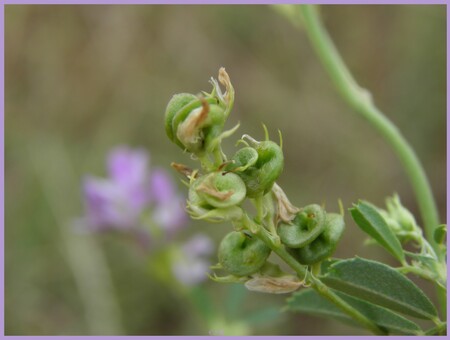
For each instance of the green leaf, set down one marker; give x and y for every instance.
(371, 222)
(380, 284)
(310, 302)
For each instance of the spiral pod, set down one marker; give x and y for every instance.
(242, 254)
(216, 194)
(307, 225)
(176, 103)
(324, 245)
(197, 206)
(192, 122)
(221, 190)
(259, 166)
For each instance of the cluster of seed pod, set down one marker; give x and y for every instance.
(217, 191)
(311, 238)
(313, 235)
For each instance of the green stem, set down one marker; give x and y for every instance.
(361, 101)
(258, 203)
(317, 285)
(323, 290)
(206, 163)
(218, 160)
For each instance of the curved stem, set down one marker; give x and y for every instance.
(318, 285)
(206, 163)
(361, 101)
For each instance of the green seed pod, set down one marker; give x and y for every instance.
(220, 190)
(216, 197)
(196, 204)
(324, 245)
(307, 225)
(192, 122)
(258, 166)
(177, 102)
(242, 254)
(244, 158)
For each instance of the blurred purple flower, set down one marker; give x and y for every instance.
(119, 201)
(191, 266)
(129, 170)
(107, 206)
(169, 205)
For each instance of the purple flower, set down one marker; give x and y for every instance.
(129, 170)
(192, 264)
(169, 210)
(119, 201)
(107, 205)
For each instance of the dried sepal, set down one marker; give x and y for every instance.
(286, 211)
(182, 169)
(273, 285)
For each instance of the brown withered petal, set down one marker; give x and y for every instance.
(210, 190)
(273, 285)
(286, 211)
(182, 169)
(189, 131)
(224, 79)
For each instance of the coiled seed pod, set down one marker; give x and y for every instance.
(220, 190)
(192, 123)
(242, 254)
(244, 158)
(176, 103)
(258, 166)
(324, 245)
(216, 196)
(307, 225)
(197, 206)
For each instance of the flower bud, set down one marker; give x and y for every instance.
(324, 245)
(397, 212)
(307, 225)
(400, 220)
(242, 254)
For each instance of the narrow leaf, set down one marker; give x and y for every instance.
(310, 302)
(371, 222)
(380, 284)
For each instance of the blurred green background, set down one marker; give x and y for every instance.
(83, 79)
